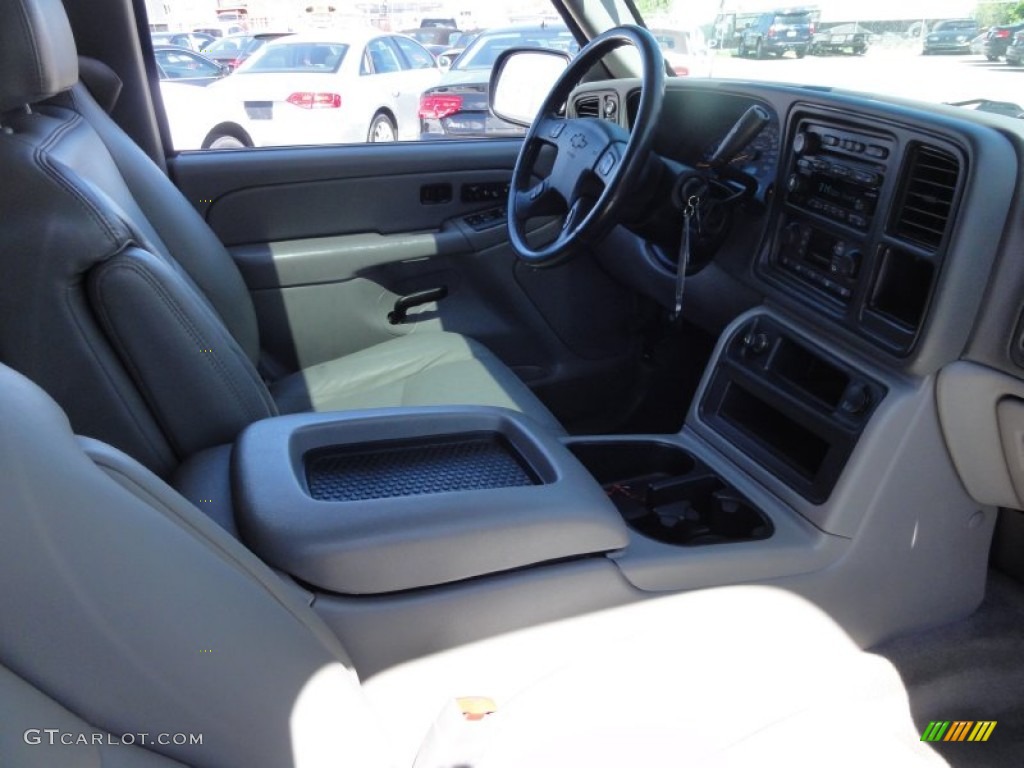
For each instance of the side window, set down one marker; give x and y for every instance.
(415, 54)
(316, 87)
(166, 65)
(277, 59)
(383, 58)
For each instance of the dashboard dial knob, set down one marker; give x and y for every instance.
(806, 143)
(754, 343)
(856, 400)
(794, 238)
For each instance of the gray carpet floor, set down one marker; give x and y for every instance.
(971, 670)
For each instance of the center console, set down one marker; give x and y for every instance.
(383, 502)
(790, 406)
(467, 522)
(865, 219)
(375, 502)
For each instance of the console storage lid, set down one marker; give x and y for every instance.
(380, 501)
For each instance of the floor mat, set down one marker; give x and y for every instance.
(971, 671)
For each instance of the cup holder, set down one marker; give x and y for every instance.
(666, 494)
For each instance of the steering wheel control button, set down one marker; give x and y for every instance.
(607, 164)
(556, 130)
(578, 141)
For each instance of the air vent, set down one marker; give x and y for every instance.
(588, 106)
(926, 201)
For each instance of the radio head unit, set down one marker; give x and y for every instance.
(837, 173)
(834, 180)
(861, 223)
(822, 258)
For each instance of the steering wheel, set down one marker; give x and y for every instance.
(598, 163)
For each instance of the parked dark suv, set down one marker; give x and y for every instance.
(777, 32)
(998, 40)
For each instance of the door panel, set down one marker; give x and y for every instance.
(285, 263)
(328, 238)
(268, 198)
(274, 174)
(399, 203)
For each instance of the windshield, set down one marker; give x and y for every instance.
(954, 26)
(482, 52)
(792, 18)
(961, 52)
(228, 45)
(677, 42)
(295, 57)
(931, 50)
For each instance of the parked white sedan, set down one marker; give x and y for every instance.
(198, 119)
(332, 86)
(685, 50)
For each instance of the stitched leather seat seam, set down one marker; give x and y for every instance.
(221, 373)
(142, 431)
(55, 172)
(186, 325)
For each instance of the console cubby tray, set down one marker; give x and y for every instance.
(398, 468)
(666, 494)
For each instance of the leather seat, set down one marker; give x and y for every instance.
(120, 301)
(427, 369)
(126, 611)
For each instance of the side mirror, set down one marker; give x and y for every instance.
(520, 81)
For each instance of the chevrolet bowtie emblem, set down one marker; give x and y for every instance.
(578, 141)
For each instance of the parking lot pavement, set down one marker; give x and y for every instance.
(899, 71)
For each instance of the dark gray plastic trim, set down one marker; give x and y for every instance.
(795, 547)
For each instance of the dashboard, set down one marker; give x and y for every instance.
(878, 246)
(696, 123)
(880, 222)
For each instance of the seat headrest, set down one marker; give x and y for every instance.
(101, 81)
(38, 58)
